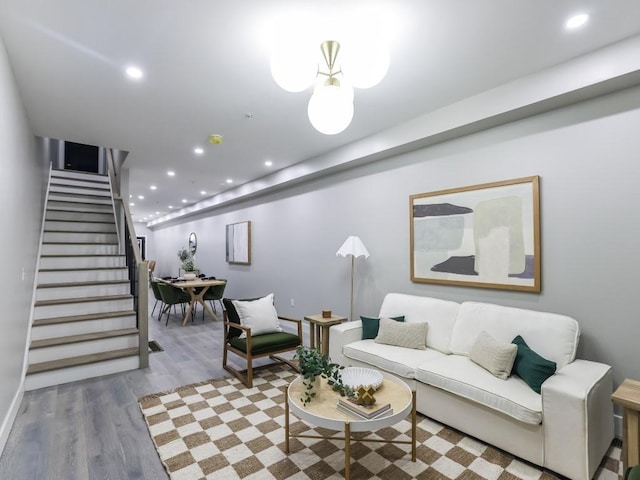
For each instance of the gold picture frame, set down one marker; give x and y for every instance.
(484, 235)
(238, 238)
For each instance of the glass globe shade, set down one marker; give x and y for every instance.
(330, 109)
(365, 65)
(294, 69)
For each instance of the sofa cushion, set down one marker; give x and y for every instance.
(553, 336)
(494, 356)
(371, 325)
(408, 335)
(439, 314)
(531, 367)
(457, 374)
(397, 360)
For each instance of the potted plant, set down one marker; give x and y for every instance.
(185, 257)
(315, 366)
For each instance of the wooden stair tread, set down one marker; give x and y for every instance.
(81, 318)
(80, 268)
(81, 360)
(79, 243)
(68, 255)
(76, 231)
(82, 284)
(108, 222)
(85, 337)
(64, 301)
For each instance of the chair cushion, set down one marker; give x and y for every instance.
(268, 342)
(232, 315)
(259, 315)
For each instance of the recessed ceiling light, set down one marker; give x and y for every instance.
(131, 204)
(229, 180)
(268, 163)
(157, 213)
(171, 173)
(170, 206)
(203, 192)
(576, 21)
(134, 72)
(198, 150)
(184, 200)
(130, 196)
(152, 187)
(140, 197)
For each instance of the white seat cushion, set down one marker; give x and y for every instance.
(400, 361)
(457, 374)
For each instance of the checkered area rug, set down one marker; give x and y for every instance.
(220, 429)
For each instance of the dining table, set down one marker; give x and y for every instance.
(196, 289)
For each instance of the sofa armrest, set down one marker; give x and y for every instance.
(577, 416)
(341, 335)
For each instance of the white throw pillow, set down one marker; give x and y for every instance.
(259, 315)
(493, 355)
(409, 335)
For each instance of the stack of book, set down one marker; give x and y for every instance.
(364, 412)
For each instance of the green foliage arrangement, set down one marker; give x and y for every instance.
(313, 365)
(187, 260)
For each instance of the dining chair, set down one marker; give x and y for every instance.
(216, 292)
(171, 296)
(152, 266)
(156, 294)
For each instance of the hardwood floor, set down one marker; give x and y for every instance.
(94, 428)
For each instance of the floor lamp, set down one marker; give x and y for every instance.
(352, 246)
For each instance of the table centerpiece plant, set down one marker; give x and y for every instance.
(315, 366)
(188, 265)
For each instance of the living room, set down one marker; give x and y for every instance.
(581, 140)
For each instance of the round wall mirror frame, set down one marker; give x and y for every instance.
(193, 243)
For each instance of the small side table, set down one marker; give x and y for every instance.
(318, 322)
(628, 395)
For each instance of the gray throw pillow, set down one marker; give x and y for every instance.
(493, 355)
(409, 335)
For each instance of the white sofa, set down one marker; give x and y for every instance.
(567, 428)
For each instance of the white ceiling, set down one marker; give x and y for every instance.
(206, 65)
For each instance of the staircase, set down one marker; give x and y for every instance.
(84, 320)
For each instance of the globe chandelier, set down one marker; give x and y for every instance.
(333, 75)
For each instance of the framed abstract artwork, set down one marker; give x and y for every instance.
(239, 243)
(480, 236)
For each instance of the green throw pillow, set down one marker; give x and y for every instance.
(371, 325)
(531, 367)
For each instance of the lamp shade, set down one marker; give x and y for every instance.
(353, 246)
(330, 108)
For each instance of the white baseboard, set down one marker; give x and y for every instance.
(617, 426)
(11, 415)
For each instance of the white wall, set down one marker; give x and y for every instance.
(587, 158)
(22, 186)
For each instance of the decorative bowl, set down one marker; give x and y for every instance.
(356, 377)
(189, 276)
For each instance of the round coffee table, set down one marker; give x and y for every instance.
(323, 412)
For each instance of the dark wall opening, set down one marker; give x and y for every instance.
(83, 158)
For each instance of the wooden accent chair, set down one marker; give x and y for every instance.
(255, 346)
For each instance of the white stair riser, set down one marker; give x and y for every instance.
(62, 276)
(59, 189)
(82, 199)
(72, 374)
(57, 215)
(72, 175)
(74, 182)
(80, 207)
(78, 237)
(47, 354)
(85, 326)
(83, 308)
(79, 249)
(82, 262)
(54, 293)
(79, 226)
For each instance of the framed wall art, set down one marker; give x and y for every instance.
(480, 236)
(239, 243)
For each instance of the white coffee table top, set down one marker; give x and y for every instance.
(322, 411)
